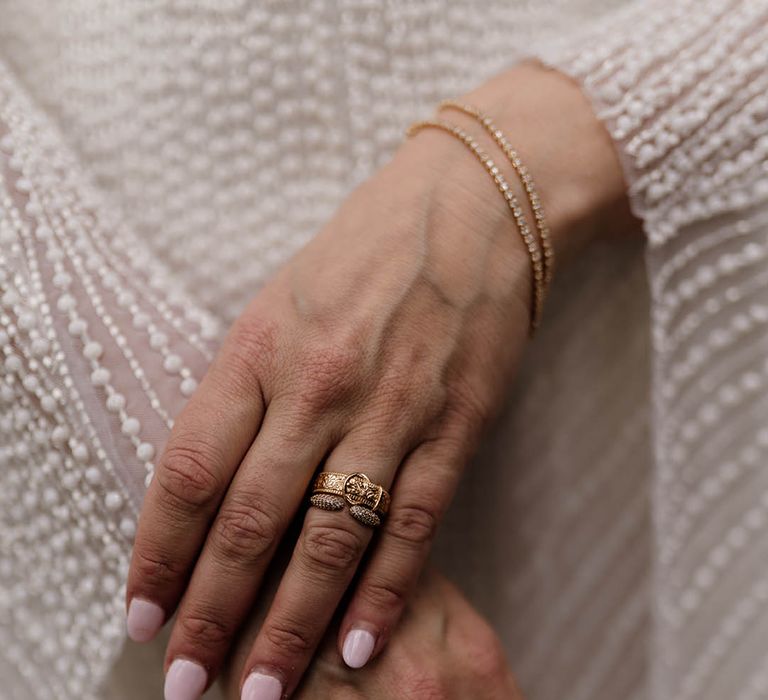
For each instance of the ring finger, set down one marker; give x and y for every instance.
(323, 563)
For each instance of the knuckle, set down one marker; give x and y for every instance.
(330, 375)
(203, 629)
(250, 350)
(383, 595)
(188, 474)
(245, 532)
(412, 524)
(414, 381)
(154, 570)
(291, 640)
(396, 390)
(332, 549)
(468, 408)
(400, 409)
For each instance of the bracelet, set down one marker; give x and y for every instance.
(529, 239)
(525, 177)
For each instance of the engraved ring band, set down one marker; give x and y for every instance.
(367, 501)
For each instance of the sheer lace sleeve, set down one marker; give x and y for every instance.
(97, 352)
(683, 88)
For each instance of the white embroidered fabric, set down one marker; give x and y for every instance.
(148, 149)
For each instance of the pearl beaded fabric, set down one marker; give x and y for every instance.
(98, 352)
(147, 149)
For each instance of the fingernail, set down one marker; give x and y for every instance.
(260, 686)
(358, 647)
(144, 619)
(185, 680)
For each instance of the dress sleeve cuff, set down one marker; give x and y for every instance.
(682, 88)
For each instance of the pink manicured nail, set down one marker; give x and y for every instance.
(358, 647)
(185, 680)
(144, 620)
(260, 686)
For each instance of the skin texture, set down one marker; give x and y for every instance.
(441, 650)
(384, 346)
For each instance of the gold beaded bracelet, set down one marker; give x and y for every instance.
(529, 239)
(525, 178)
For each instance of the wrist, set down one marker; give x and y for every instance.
(569, 153)
(566, 147)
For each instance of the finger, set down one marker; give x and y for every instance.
(422, 491)
(207, 442)
(261, 501)
(324, 561)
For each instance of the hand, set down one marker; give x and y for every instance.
(441, 649)
(384, 347)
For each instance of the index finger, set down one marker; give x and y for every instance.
(207, 443)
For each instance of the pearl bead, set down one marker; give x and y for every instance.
(115, 403)
(27, 321)
(80, 453)
(92, 350)
(188, 386)
(131, 427)
(65, 303)
(141, 320)
(100, 376)
(30, 383)
(93, 475)
(13, 363)
(78, 327)
(128, 528)
(172, 363)
(10, 298)
(85, 505)
(62, 280)
(43, 233)
(59, 435)
(145, 452)
(39, 347)
(158, 340)
(113, 501)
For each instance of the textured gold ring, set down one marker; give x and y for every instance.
(367, 501)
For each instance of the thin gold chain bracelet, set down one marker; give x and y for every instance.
(525, 178)
(529, 239)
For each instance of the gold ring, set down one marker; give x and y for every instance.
(367, 501)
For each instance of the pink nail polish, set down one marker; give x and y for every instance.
(261, 686)
(185, 680)
(144, 619)
(358, 647)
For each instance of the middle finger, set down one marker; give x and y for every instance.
(323, 564)
(258, 507)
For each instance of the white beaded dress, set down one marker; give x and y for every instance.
(159, 160)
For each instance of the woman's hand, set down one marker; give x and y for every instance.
(383, 347)
(442, 649)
